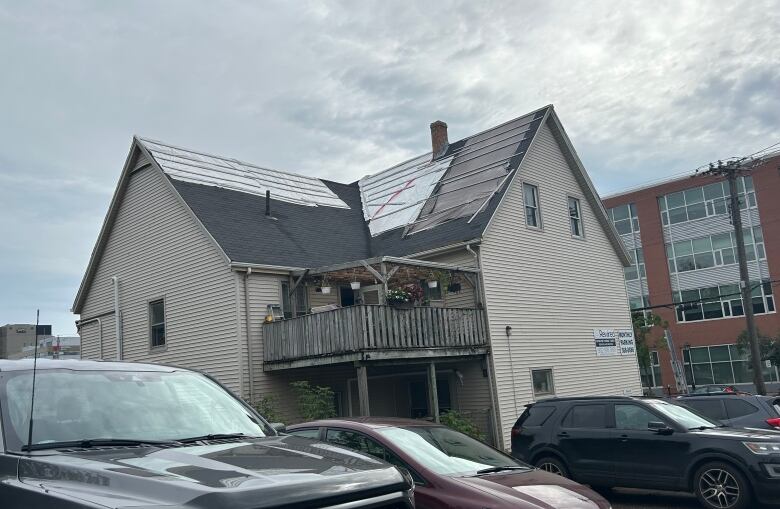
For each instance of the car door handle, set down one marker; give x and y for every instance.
(563, 434)
(624, 438)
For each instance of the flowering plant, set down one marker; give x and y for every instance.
(415, 292)
(398, 295)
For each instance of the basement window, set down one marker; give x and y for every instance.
(157, 323)
(543, 382)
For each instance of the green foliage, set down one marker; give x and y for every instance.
(460, 422)
(643, 324)
(268, 408)
(768, 346)
(314, 402)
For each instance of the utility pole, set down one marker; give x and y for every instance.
(732, 171)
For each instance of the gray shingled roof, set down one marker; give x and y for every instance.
(314, 236)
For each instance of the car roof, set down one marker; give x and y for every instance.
(365, 422)
(82, 365)
(586, 398)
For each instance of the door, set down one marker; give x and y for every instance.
(645, 458)
(584, 438)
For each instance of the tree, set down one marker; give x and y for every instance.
(643, 324)
(768, 346)
(314, 402)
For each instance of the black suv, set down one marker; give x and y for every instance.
(121, 435)
(649, 443)
(737, 410)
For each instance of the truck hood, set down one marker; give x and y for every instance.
(246, 473)
(536, 489)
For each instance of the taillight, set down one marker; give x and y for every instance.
(516, 431)
(774, 422)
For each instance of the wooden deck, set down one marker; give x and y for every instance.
(360, 333)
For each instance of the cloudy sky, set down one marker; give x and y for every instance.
(339, 90)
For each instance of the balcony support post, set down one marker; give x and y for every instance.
(433, 393)
(362, 382)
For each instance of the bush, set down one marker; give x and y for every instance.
(267, 407)
(460, 422)
(314, 402)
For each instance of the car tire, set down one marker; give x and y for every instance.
(553, 465)
(719, 485)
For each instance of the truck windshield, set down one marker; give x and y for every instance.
(74, 405)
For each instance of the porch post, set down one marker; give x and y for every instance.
(362, 382)
(433, 394)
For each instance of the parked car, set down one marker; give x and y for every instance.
(451, 469)
(716, 389)
(738, 411)
(650, 443)
(121, 435)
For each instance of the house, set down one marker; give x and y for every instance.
(683, 249)
(262, 277)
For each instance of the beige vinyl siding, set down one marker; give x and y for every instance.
(464, 298)
(158, 250)
(320, 299)
(553, 290)
(90, 339)
(472, 393)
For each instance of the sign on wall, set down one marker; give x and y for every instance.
(614, 342)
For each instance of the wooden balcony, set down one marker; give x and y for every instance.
(373, 333)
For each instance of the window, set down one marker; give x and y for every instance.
(575, 217)
(712, 408)
(637, 268)
(655, 370)
(625, 219)
(431, 293)
(535, 415)
(313, 433)
(722, 301)
(300, 297)
(721, 364)
(157, 323)
(586, 416)
(706, 201)
(714, 251)
(633, 417)
(543, 382)
(738, 408)
(531, 201)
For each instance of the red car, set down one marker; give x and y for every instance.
(450, 469)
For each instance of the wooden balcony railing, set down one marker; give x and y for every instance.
(351, 332)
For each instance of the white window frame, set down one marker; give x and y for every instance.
(578, 219)
(538, 206)
(552, 382)
(633, 218)
(149, 302)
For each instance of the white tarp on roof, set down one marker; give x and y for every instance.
(209, 170)
(395, 196)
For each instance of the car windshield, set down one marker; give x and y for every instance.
(74, 405)
(683, 416)
(447, 452)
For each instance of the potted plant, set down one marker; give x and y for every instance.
(355, 285)
(399, 298)
(325, 287)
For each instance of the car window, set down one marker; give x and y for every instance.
(586, 416)
(535, 415)
(345, 438)
(633, 417)
(739, 408)
(364, 444)
(305, 433)
(712, 408)
(776, 404)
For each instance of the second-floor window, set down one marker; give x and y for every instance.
(704, 201)
(299, 300)
(531, 201)
(575, 217)
(157, 323)
(625, 218)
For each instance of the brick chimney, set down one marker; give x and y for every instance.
(439, 142)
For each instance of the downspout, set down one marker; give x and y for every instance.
(248, 340)
(80, 324)
(117, 319)
(499, 435)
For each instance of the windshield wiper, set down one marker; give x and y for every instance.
(500, 469)
(213, 436)
(87, 443)
(702, 428)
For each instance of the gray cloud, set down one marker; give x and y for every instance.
(341, 89)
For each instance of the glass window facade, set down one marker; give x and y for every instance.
(624, 218)
(637, 268)
(722, 301)
(705, 201)
(714, 251)
(721, 364)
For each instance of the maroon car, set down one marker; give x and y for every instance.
(450, 469)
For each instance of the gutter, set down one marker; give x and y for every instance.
(118, 319)
(240, 266)
(248, 336)
(98, 319)
(444, 249)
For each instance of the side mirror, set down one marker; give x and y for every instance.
(660, 428)
(279, 427)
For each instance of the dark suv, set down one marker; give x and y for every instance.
(122, 435)
(737, 410)
(650, 443)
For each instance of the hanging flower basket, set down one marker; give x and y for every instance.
(433, 284)
(355, 285)
(326, 290)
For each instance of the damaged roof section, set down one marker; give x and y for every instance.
(210, 170)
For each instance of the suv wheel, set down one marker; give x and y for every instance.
(553, 465)
(718, 485)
